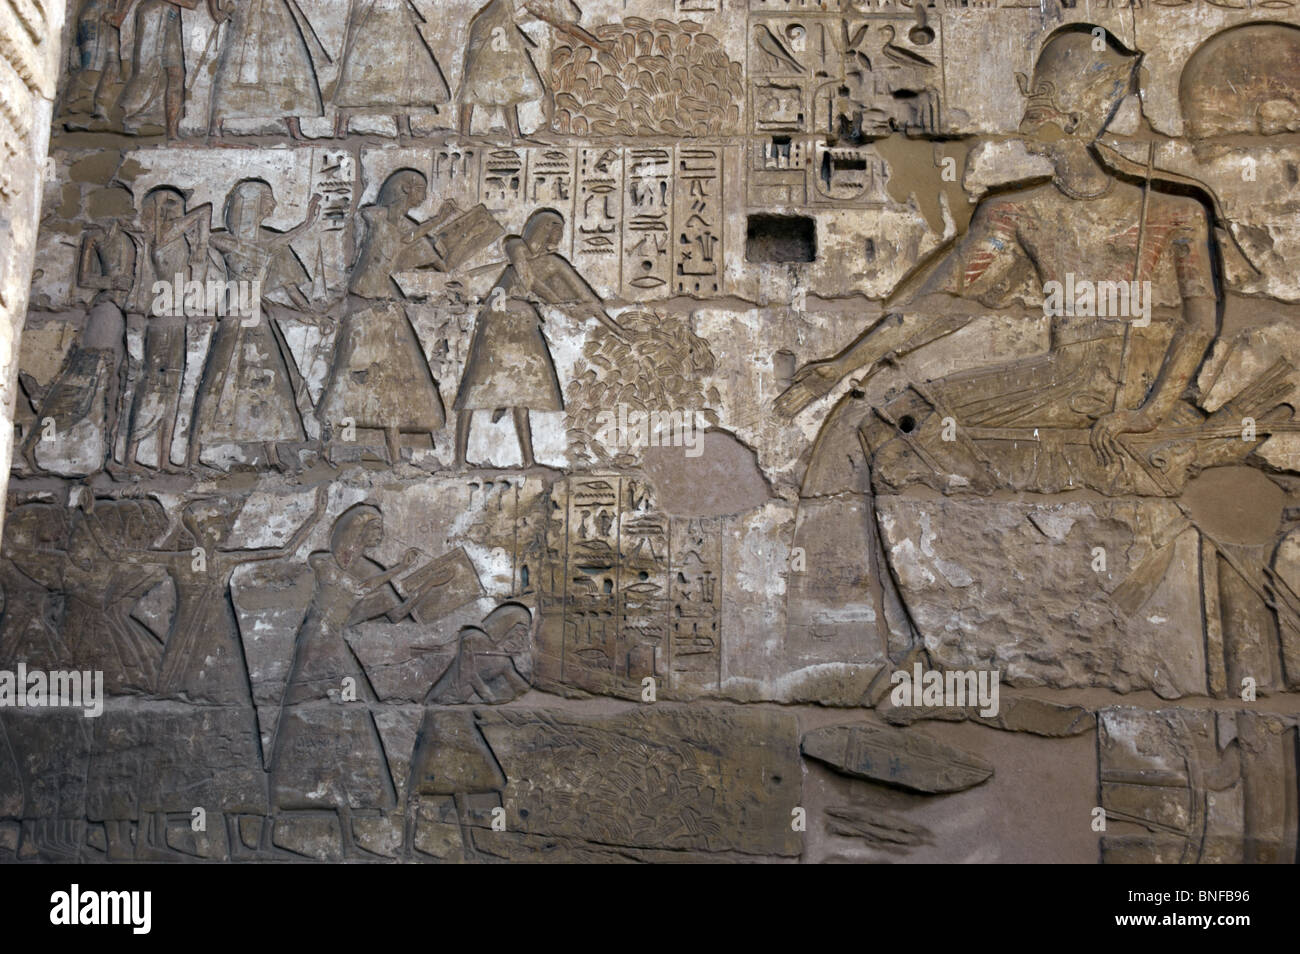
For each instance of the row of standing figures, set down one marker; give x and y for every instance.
(251, 393)
(266, 53)
(324, 749)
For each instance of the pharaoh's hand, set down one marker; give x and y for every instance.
(814, 380)
(410, 558)
(1105, 435)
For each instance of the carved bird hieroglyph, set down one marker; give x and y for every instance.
(901, 54)
(778, 57)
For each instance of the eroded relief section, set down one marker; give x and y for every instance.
(784, 430)
(29, 69)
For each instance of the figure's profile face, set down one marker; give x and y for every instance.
(1044, 119)
(544, 232)
(161, 208)
(249, 207)
(170, 208)
(354, 534)
(554, 232)
(415, 193)
(402, 191)
(1079, 80)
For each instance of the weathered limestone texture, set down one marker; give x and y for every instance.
(650, 430)
(30, 34)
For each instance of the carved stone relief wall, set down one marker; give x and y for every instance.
(527, 430)
(30, 34)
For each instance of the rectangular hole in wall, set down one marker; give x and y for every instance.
(781, 238)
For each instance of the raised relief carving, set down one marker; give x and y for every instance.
(653, 367)
(175, 253)
(808, 355)
(95, 63)
(1243, 80)
(387, 66)
(486, 665)
(509, 364)
(265, 70)
(629, 593)
(498, 73)
(327, 700)
(202, 657)
(248, 394)
(154, 96)
(1202, 787)
(98, 626)
(846, 77)
(380, 378)
(1104, 407)
(640, 78)
(77, 413)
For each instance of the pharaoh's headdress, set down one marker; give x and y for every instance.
(1082, 75)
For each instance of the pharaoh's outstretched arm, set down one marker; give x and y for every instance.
(890, 337)
(900, 333)
(922, 306)
(920, 310)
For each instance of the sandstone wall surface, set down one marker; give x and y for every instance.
(528, 430)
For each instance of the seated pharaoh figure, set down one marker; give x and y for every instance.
(1109, 407)
(1104, 407)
